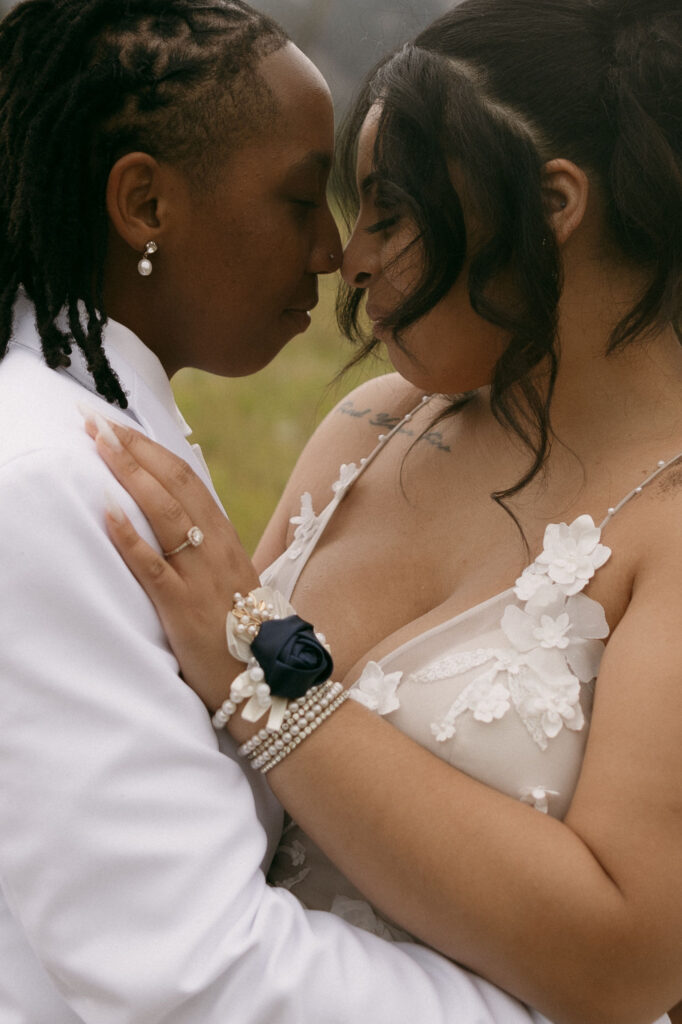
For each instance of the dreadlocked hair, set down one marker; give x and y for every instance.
(498, 88)
(82, 82)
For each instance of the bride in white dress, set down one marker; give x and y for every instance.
(496, 564)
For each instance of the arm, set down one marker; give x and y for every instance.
(130, 848)
(468, 864)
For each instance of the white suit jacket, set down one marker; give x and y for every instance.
(132, 848)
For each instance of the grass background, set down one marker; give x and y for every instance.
(252, 429)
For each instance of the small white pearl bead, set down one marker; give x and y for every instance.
(638, 490)
(611, 511)
(144, 267)
(661, 463)
(257, 674)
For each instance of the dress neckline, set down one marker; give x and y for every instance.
(310, 527)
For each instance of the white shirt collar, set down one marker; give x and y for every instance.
(124, 350)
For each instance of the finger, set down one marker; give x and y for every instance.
(172, 472)
(149, 568)
(167, 517)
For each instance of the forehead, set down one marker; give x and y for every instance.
(366, 143)
(293, 143)
(304, 114)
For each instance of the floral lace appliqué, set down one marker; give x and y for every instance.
(554, 642)
(376, 689)
(306, 524)
(347, 475)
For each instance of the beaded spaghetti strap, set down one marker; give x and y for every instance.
(385, 438)
(660, 468)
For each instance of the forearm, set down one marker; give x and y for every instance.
(466, 869)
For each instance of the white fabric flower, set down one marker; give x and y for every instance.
(376, 689)
(538, 797)
(552, 632)
(443, 731)
(571, 554)
(347, 475)
(305, 523)
(574, 626)
(492, 702)
(528, 583)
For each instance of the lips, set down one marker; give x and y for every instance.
(304, 306)
(374, 314)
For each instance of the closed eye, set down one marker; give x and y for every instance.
(382, 225)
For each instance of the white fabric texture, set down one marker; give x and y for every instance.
(131, 850)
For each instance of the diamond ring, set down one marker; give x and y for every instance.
(194, 539)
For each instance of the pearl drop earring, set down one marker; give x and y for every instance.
(144, 267)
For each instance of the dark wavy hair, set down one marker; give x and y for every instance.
(501, 87)
(82, 82)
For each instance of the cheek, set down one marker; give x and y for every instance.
(401, 262)
(456, 350)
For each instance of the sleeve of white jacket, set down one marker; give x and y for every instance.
(130, 850)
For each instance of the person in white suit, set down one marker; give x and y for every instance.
(163, 169)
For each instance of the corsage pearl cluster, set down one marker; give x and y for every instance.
(287, 670)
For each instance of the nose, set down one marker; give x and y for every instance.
(360, 259)
(328, 251)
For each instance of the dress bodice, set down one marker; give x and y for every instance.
(502, 691)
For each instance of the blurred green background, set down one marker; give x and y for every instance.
(252, 429)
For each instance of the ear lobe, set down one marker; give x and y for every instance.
(565, 191)
(131, 199)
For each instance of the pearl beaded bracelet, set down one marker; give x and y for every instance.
(298, 713)
(278, 750)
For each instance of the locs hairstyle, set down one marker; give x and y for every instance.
(82, 82)
(500, 87)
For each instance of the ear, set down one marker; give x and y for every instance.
(133, 199)
(565, 190)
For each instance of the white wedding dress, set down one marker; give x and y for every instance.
(503, 691)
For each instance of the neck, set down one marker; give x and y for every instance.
(631, 395)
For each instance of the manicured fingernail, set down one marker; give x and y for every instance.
(106, 433)
(113, 508)
(87, 412)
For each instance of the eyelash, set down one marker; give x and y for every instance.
(382, 225)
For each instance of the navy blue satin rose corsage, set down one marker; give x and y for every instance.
(291, 656)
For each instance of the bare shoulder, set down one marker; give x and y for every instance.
(347, 434)
(660, 558)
